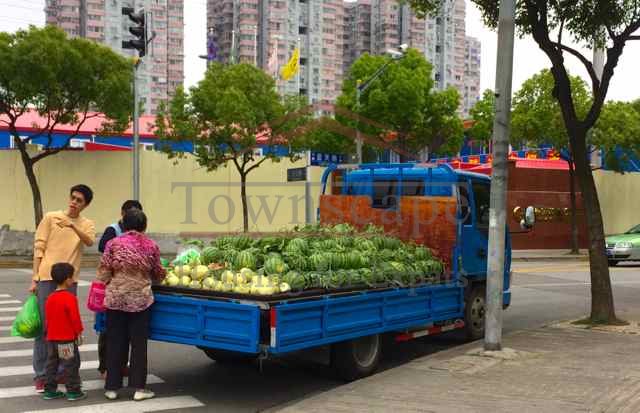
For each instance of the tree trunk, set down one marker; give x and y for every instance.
(243, 196)
(33, 182)
(602, 306)
(575, 247)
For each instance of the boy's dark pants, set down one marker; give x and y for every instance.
(71, 368)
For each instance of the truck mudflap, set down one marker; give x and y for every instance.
(299, 325)
(206, 323)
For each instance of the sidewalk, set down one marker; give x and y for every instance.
(555, 369)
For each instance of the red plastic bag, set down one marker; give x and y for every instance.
(95, 300)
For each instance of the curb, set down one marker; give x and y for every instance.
(552, 258)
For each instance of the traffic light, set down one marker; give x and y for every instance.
(139, 31)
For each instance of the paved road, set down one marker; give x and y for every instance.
(186, 381)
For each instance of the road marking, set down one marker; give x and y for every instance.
(7, 318)
(5, 328)
(25, 391)
(9, 309)
(11, 340)
(29, 352)
(24, 370)
(550, 269)
(5, 296)
(10, 302)
(163, 403)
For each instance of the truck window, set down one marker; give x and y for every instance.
(482, 195)
(413, 187)
(465, 211)
(384, 194)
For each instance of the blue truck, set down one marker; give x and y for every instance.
(352, 323)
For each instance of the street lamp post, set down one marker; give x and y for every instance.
(362, 86)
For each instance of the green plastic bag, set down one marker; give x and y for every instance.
(28, 323)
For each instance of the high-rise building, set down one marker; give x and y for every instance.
(266, 32)
(162, 69)
(442, 39)
(472, 73)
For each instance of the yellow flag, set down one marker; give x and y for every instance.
(292, 66)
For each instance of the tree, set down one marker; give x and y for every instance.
(403, 103)
(482, 114)
(66, 81)
(223, 116)
(537, 119)
(607, 23)
(618, 128)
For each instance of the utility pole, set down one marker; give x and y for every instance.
(140, 43)
(499, 177)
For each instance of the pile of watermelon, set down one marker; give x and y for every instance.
(308, 258)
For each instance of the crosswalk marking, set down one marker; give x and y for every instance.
(11, 340)
(5, 328)
(162, 403)
(9, 309)
(29, 351)
(87, 385)
(7, 318)
(10, 302)
(5, 296)
(24, 370)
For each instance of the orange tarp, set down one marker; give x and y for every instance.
(429, 221)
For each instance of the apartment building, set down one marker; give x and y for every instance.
(266, 32)
(162, 69)
(472, 72)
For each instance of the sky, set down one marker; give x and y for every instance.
(528, 59)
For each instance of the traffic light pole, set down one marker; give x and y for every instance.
(136, 135)
(498, 207)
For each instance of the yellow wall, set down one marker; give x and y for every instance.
(109, 174)
(619, 200)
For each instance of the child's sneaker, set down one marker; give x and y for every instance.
(143, 394)
(51, 395)
(39, 386)
(72, 396)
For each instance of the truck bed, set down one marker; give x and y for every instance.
(278, 326)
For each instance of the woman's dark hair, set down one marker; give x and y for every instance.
(134, 220)
(86, 192)
(61, 271)
(132, 203)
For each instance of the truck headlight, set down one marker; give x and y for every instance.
(624, 244)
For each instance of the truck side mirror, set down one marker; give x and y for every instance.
(529, 218)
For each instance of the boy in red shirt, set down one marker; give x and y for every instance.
(63, 336)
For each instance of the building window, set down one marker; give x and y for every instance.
(302, 30)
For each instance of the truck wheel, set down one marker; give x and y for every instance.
(474, 313)
(227, 357)
(357, 358)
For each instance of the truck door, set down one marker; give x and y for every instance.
(474, 197)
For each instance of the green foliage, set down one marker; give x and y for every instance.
(618, 126)
(62, 79)
(402, 100)
(482, 114)
(536, 116)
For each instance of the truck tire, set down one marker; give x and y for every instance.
(228, 357)
(474, 312)
(357, 358)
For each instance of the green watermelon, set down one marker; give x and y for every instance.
(274, 266)
(245, 259)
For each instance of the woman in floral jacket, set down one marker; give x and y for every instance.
(129, 266)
